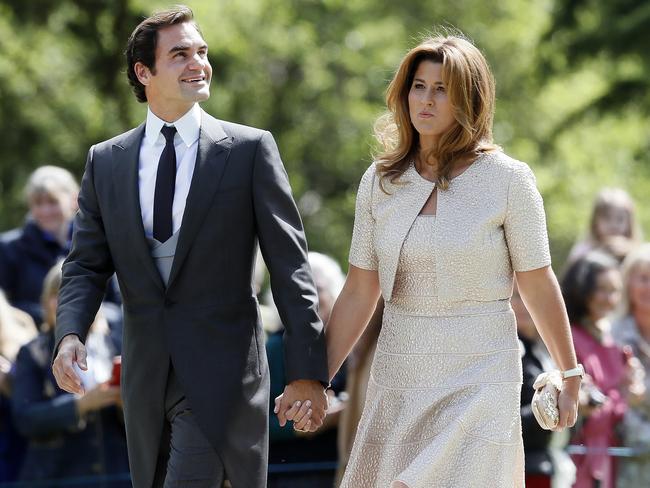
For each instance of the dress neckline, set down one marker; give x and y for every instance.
(469, 169)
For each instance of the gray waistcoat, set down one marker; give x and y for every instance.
(163, 254)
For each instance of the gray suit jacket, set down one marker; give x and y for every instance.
(206, 321)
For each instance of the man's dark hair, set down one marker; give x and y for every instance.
(143, 40)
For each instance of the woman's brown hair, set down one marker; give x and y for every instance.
(470, 87)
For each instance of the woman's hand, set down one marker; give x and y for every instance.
(567, 403)
(299, 413)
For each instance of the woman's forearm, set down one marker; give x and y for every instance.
(541, 294)
(350, 315)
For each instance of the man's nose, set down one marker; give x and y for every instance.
(197, 61)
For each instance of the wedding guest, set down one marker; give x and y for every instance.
(16, 329)
(288, 446)
(592, 289)
(546, 464)
(613, 226)
(632, 330)
(443, 221)
(28, 253)
(68, 435)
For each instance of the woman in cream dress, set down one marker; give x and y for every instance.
(443, 218)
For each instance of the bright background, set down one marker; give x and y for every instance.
(572, 85)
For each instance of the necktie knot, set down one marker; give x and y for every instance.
(168, 131)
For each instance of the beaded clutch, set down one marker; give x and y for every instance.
(544, 404)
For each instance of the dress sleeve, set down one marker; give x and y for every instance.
(362, 249)
(525, 223)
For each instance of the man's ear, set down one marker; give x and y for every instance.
(142, 72)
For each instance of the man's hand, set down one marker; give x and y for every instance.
(71, 351)
(304, 402)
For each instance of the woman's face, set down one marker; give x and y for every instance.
(638, 288)
(430, 110)
(606, 295)
(615, 221)
(51, 213)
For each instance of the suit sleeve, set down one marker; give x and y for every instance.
(283, 245)
(87, 268)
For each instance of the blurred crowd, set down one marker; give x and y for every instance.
(48, 434)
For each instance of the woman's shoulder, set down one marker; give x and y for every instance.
(370, 178)
(499, 164)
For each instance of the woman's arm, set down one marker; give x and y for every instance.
(541, 293)
(350, 316)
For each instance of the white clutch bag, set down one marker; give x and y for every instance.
(544, 404)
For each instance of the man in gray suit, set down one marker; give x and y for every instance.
(176, 207)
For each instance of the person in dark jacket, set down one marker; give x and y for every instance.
(545, 466)
(28, 253)
(16, 329)
(69, 436)
(303, 459)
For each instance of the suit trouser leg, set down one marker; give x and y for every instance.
(192, 460)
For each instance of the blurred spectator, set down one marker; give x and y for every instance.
(68, 435)
(28, 253)
(633, 330)
(613, 227)
(16, 329)
(546, 464)
(592, 288)
(356, 383)
(305, 450)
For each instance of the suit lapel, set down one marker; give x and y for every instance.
(409, 198)
(211, 159)
(126, 154)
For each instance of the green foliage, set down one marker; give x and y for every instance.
(314, 72)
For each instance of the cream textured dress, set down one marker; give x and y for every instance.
(442, 407)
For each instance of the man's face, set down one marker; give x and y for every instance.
(181, 75)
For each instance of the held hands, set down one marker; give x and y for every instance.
(567, 403)
(71, 351)
(305, 403)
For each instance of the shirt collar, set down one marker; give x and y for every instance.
(188, 126)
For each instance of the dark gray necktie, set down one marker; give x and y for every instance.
(163, 199)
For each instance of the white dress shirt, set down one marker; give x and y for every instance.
(186, 142)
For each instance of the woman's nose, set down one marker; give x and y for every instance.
(427, 97)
